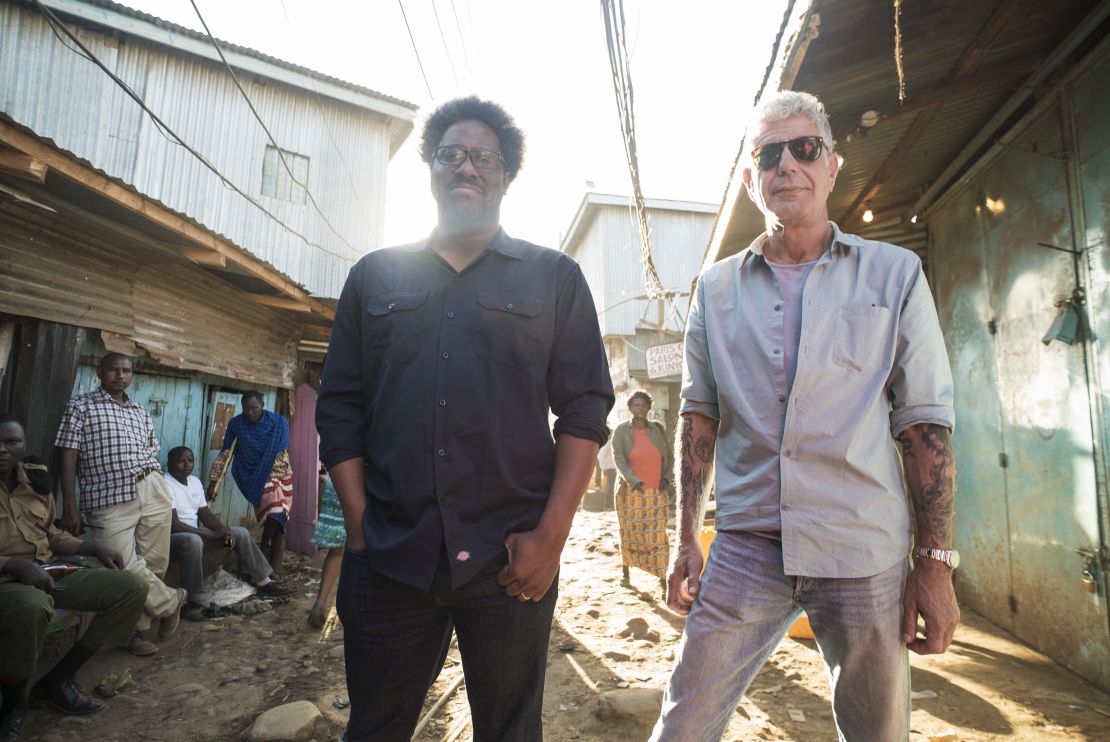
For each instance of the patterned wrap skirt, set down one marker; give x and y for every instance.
(331, 531)
(643, 528)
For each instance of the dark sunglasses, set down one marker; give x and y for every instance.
(804, 149)
(452, 155)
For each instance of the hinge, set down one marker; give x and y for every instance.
(1003, 460)
(992, 326)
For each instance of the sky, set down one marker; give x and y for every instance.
(695, 68)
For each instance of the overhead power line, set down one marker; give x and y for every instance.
(169, 133)
(462, 42)
(273, 141)
(443, 38)
(415, 50)
(613, 14)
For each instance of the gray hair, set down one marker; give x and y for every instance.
(789, 103)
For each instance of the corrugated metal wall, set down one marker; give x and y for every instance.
(177, 312)
(1028, 498)
(610, 257)
(64, 97)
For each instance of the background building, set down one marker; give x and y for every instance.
(145, 208)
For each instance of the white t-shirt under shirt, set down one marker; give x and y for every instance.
(187, 498)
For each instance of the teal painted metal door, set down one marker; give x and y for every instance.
(230, 505)
(1027, 495)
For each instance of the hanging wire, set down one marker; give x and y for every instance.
(166, 131)
(462, 42)
(273, 141)
(443, 38)
(419, 62)
(898, 51)
(619, 63)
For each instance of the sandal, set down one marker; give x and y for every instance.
(626, 582)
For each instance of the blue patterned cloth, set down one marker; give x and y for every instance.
(331, 532)
(259, 444)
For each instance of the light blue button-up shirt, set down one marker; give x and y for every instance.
(820, 466)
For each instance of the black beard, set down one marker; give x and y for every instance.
(457, 219)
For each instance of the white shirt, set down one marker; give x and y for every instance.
(817, 460)
(187, 498)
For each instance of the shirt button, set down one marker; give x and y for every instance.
(445, 356)
(786, 453)
(782, 399)
(443, 501)
(508, 306)
(441, 452)
(443, 403)
(778, 307)
(450, 315)
(785, 507)
(392, 306)
(777, 351)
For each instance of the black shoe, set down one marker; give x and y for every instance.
(10, 724)
(273, 589)
(66, 698)
(192, 611)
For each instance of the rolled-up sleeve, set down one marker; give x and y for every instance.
(341, 408)
(920, 382)
(699, 387)
(579, 388)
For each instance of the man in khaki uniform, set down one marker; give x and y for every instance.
(28, 593)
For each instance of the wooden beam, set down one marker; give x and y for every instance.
(22, 166)
(968, 62)
(280, 302)
(201, 257)
(94, 181)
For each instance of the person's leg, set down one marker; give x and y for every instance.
(187, 549)
(744, 607)
(503, 642)
(395, 638)
(858, 627)
(25, 613)
(250, 556)
(329, 573)
(273, 544)
(114, 527)
(116, 600)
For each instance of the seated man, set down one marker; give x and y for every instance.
(187, 536)
(28, 594)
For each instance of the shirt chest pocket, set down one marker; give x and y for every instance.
(862, 338)
(508, 329)
(31, 513)
(393, 325)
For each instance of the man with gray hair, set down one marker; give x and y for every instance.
(808, 355)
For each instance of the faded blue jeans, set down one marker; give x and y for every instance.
(743, 609)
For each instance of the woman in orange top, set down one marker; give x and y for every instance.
(643, 457)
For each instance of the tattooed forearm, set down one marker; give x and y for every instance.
(696, 442)
(930, 475)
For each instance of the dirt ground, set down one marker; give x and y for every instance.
(212, 680)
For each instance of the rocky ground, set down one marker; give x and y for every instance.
(611, 651)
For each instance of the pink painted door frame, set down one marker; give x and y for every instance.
(304, 452)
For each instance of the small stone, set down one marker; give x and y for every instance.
(617, 654)
(293, 722)
(652, 636)
(637, 628)
(218, 668)
(629, 704)
(212, 627)
(190, 689)
(265, 634)
(336, 652)
(262, 667)
(593, 613)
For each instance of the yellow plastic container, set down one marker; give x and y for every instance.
(800, 629)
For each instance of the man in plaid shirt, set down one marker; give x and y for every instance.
(107, 443)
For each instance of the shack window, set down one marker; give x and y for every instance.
(276, 182)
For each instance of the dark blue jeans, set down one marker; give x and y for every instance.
(396, 638)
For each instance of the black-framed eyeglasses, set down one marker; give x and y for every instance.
(452, 155)
(804, 149)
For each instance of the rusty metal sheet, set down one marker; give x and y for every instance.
(182, 316)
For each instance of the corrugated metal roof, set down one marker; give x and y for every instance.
(112, 15)
(850, 66)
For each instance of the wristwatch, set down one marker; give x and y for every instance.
(950, 557)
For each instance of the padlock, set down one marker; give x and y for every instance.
(1089, 584)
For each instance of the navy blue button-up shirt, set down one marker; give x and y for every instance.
(443, 382)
